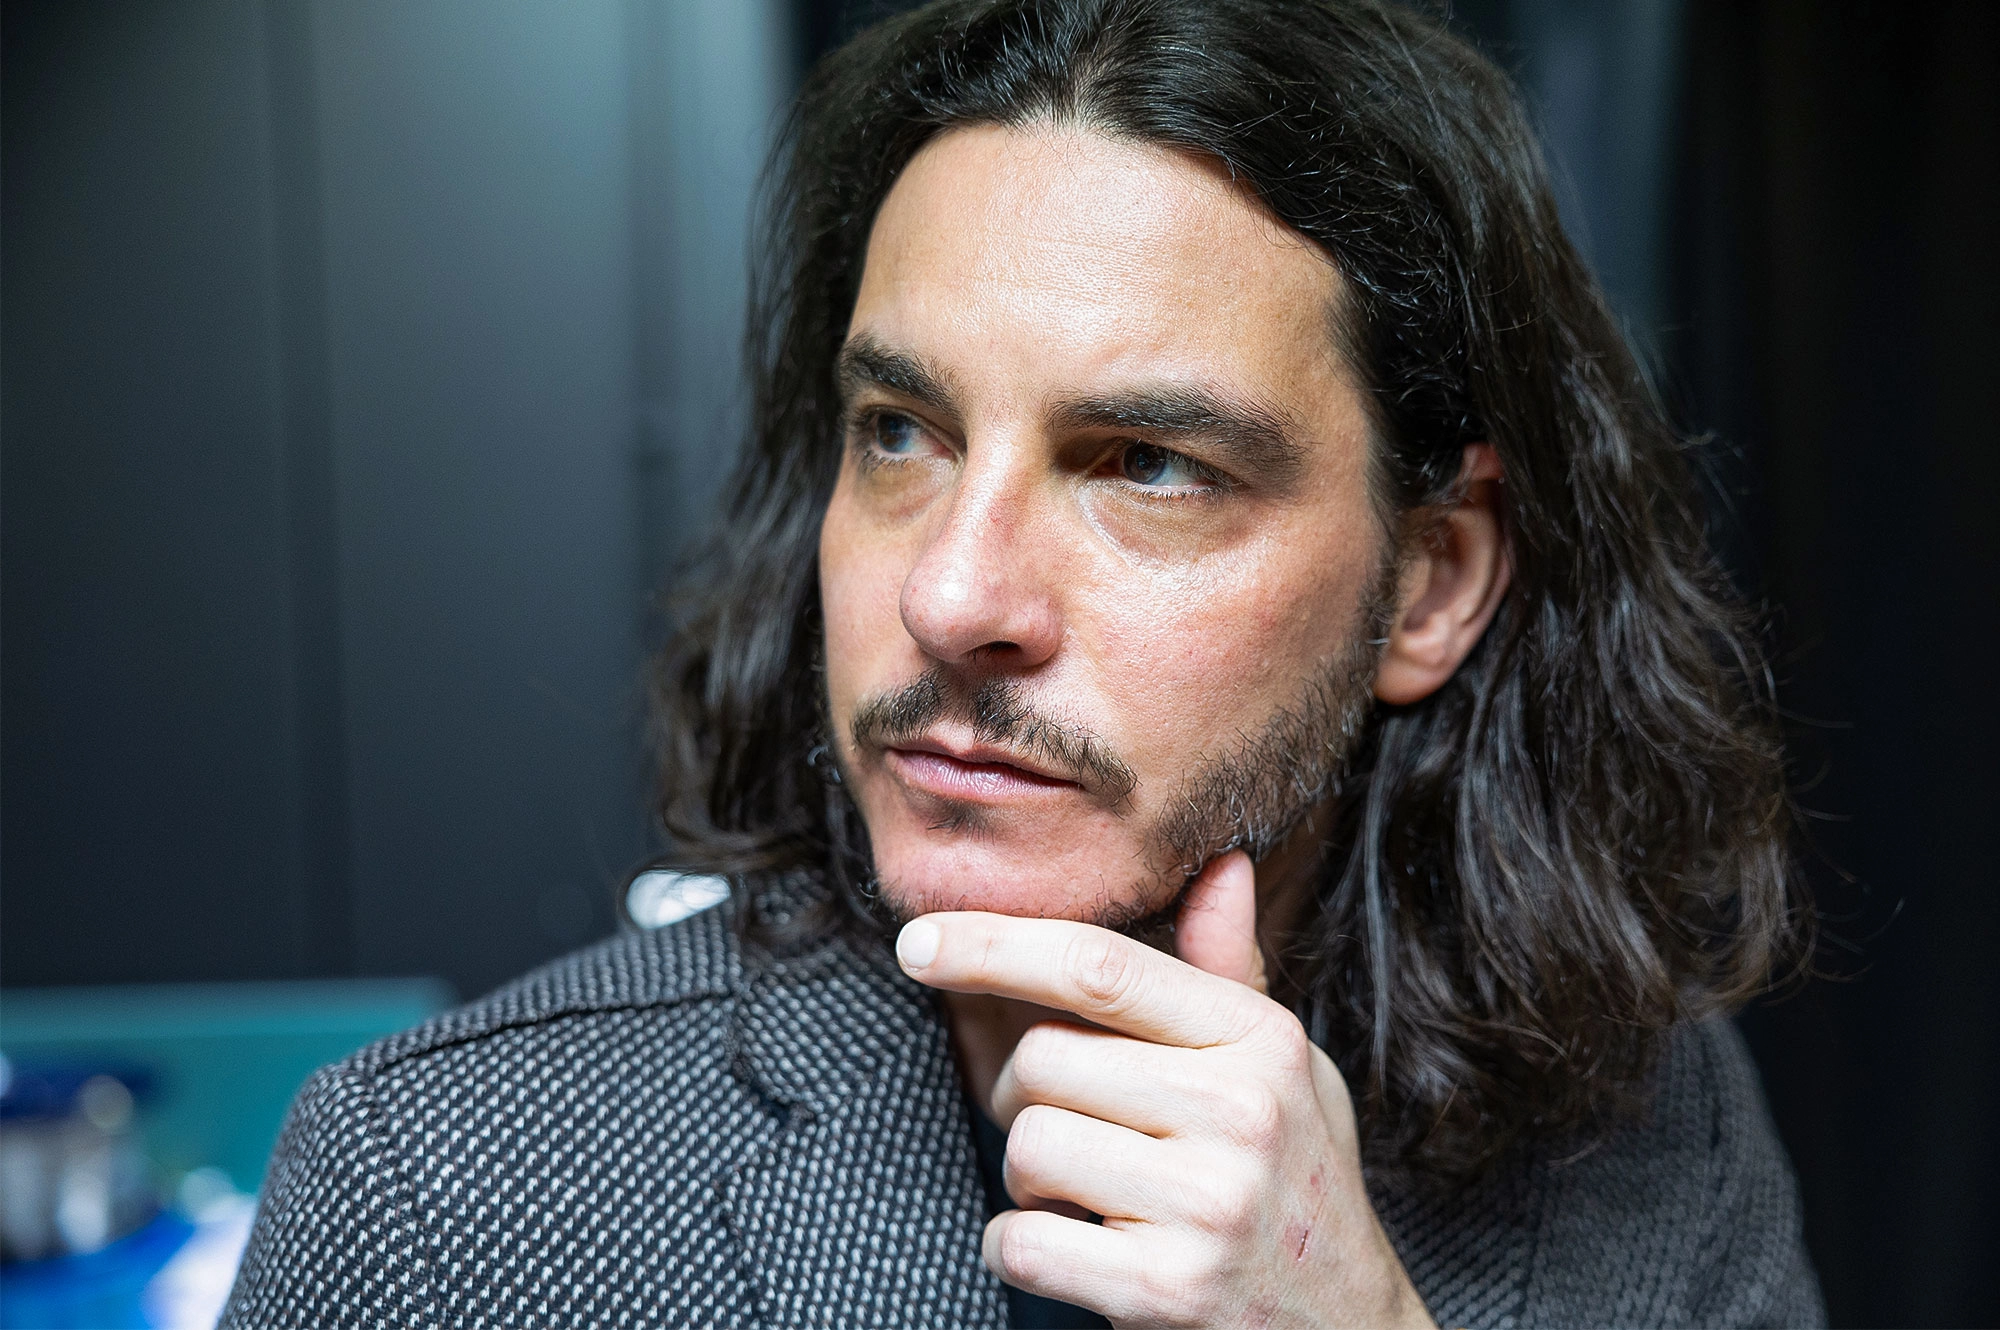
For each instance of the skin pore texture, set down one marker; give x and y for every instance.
(1106, 596)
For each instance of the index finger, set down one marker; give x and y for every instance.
(1092, 972)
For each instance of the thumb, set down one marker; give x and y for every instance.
(1217, 930)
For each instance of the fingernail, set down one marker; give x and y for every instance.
(917, 944)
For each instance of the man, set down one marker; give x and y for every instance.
(1210, 584)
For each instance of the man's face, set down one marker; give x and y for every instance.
(1098, 570)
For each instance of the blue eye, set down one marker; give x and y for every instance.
(1145, 464)
(895, 435)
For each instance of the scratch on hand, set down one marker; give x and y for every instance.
(1317, 1186)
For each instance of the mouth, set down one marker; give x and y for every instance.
(973, 773)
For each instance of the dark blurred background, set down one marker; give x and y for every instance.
(366, 365)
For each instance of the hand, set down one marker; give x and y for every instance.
(1216, 1140)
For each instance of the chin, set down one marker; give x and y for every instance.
(963, 869)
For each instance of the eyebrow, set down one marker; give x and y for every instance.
(865, 362)
(1251, 437)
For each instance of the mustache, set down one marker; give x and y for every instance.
(999, 713)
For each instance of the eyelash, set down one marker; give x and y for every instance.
(863, 420)
(861, 423)
(858, 429)
(1214, 484)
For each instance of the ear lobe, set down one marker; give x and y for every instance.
(1451, 587)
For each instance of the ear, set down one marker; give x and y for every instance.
(1451, 585)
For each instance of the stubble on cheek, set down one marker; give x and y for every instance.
(1250, 796)
(1253, 795)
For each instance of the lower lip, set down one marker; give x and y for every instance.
(972, 782)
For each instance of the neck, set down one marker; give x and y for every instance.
(985, 1029)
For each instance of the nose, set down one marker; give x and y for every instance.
(981, 590)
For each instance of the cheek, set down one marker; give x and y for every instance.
(860, 587)
(1198, 664)
(1183, 674)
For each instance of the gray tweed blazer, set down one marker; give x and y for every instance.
(660, 1131)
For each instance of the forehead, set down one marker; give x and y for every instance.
(1028, 249)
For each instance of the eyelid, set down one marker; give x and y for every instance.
(861, 414)
(857, 432)
(1215, 481)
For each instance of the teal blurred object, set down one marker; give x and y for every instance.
(226, 1058)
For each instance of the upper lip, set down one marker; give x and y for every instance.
(985, 753)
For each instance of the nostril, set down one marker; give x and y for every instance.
(989, 650)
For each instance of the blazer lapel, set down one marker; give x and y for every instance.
(866, 1207)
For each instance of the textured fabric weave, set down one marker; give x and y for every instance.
(655, 1132)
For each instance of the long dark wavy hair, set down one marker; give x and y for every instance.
(1576, 843)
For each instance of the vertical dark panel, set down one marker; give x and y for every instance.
(1602, 79)
(1843, 269)
(322, 590)
(707, 83)
(319, 745)
(480, 357)
(148, 811)
(1718, 356)
(663, 524)
(1956, 1188)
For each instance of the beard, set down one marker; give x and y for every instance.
(1251, 796)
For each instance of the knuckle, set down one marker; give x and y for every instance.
(1020, 1251)
(1228, 1205)
(1028, 1140)
(1037, 1060)
(1253, 1115)
(1234, 1214)
(1178, 1297)
(1223, 1201)
(1206, 1189)
(1103, 970)
(1291, 1048)
(1261, 1119)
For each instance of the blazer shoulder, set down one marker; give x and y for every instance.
(698, 958)
(1753, 1267)
(364, 1217)
(335, 1242)
(1693, 1206)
